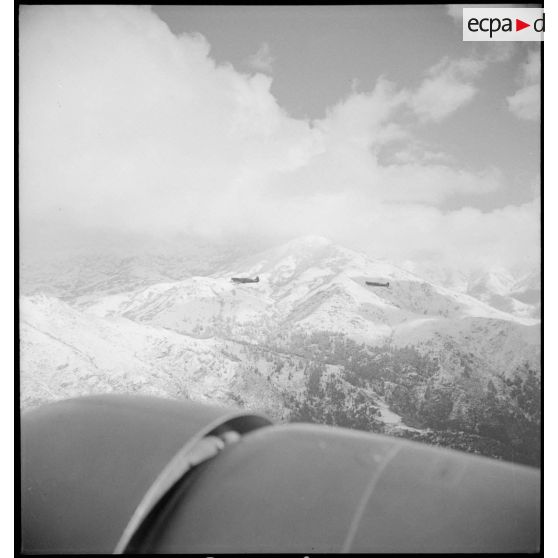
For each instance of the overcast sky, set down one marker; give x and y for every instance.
(375, 126)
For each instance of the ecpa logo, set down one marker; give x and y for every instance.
(503, 24)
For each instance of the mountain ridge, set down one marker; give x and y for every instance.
(311, 340)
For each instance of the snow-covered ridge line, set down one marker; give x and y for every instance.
(378, 339)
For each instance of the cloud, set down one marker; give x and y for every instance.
(416, 152)
(525, 103)
(448, 86)
(463, 239)
(262, 61)
(498, 51)
(125, 127)
(452, 83)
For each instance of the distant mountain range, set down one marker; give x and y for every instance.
(310, 341)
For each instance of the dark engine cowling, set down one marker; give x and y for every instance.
(117, 474)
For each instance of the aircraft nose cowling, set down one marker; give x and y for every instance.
(90, 464)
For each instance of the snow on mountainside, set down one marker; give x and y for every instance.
(493, 346)
(310, 340)
(528, 290)
(65, 353)
(310, 284)
(501, 290)
(531, 281)
(514, 293)
(495, 281)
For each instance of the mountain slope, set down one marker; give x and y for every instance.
(309, 284)
(66, 353)
(311, 340)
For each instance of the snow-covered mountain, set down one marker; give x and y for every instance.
(499, 288)
(310, 285)
(514, 292)
(311, 323)
(66, 353)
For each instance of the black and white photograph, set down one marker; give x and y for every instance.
(280, 278)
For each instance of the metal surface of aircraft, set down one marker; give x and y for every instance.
(377, 284)
(131, 474)
(245, 280)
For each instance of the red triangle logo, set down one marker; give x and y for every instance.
(519, 25)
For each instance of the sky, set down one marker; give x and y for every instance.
(375, 126)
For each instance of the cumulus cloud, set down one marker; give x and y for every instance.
(448, 86)
(128, 128)
(467, 238)
(525, 103)
(262, 61)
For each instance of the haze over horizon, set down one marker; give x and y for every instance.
(134, 123)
